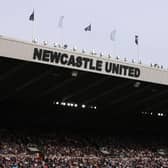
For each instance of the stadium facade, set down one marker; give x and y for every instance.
(76, 87)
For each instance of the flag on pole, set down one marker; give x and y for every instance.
(60, 22)
(113, 35)
(31, 17)
(136, 39)
(88, 28)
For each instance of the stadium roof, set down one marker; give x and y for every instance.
(40, 75)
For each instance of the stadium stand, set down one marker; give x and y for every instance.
(56, 89)
(58, 151)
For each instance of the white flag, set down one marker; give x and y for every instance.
(60, 22)
(112, 35)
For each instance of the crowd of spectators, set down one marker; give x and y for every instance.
(58, 151)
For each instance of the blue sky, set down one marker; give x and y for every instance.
(146, 18)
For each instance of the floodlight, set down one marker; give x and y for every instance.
(133, 61)
(74, 48)
(93, 52)
(75, 105)
(156, 65)
(117, 57)
(109, 55)
(58, 45)
(83, 105)
(63, 103)
(55, 45)
(45, 42)
(68, 104)
(83, 50)
(101, 54)
(34, 40)
(140, 62)
(65, 46)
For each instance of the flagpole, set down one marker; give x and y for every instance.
(60, 29)
(137, 44)
(113, 39)
(115, 48)
(32, 30)
(33, 26)
(138, 53)
(61, 36)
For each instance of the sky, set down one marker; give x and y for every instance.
(145, 18)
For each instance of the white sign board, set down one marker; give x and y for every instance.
(21, 50)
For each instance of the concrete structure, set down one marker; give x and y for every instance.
(45, 81)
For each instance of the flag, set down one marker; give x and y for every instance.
(31, 18)
(136, 39)
(60, 22)
(88, 28)
(112, 35)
